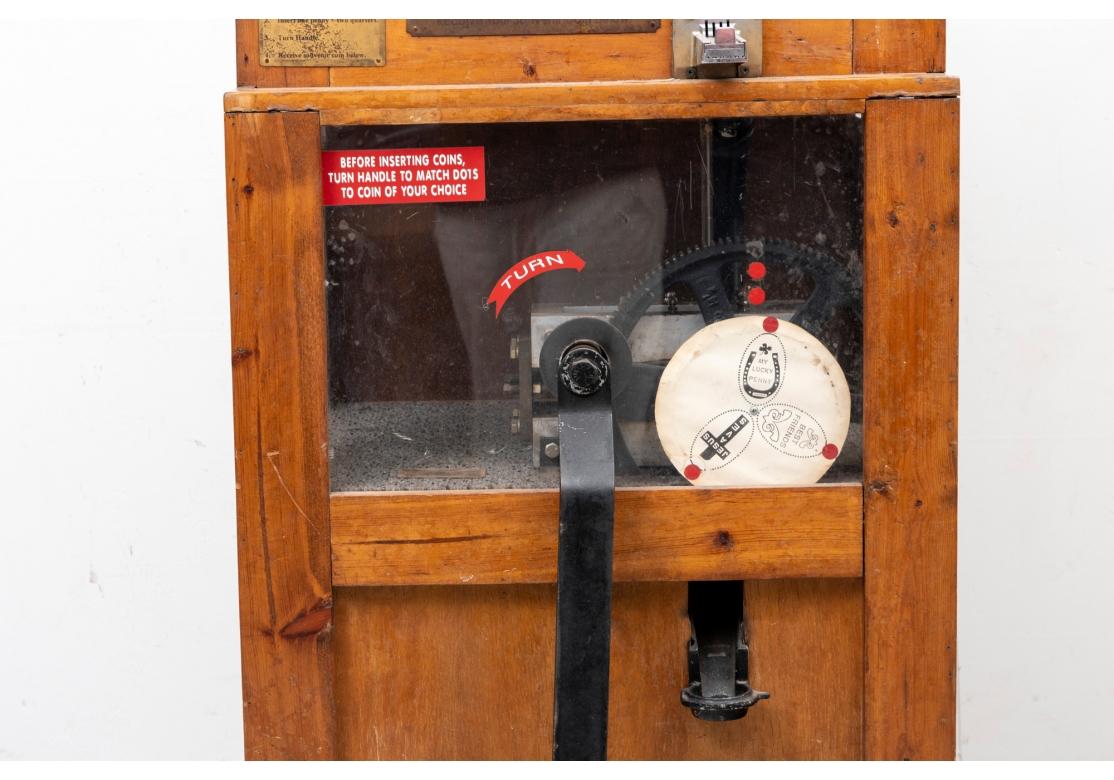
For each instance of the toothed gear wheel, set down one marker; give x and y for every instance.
(832, 312)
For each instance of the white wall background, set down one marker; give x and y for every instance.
(118, 613)
(119, 634)
(1036, 508)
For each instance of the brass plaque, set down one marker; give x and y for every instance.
(452, 27)
(318, 42)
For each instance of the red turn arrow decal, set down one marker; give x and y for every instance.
(526, 269)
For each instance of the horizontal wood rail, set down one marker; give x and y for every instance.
(661, 534)
(619, 96)
(588, 112)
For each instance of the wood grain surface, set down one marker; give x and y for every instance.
(617, 93)
(910, 374)
(589, 111)
(661, 534)
(278, 370)
(806, 47)
(899, 45)
(467, 673)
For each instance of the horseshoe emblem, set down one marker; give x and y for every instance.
(769, 363)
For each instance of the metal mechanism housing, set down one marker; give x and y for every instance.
(696, 53)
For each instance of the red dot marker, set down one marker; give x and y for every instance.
(830, 451)
(692, 471)
(756, 270)
(756, 296)
(769, 324)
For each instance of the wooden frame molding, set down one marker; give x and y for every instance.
(584, 112)
(279, 405)
(910, 285)
(617, 94)
(661, 534)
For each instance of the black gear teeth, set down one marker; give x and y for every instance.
(634, 303)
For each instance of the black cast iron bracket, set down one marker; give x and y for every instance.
(719, 659)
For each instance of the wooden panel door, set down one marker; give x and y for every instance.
(466, 672)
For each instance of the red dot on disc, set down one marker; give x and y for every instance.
(756, 270)
(692, 471)
(756, 296)
(769, 324)
(830, 451)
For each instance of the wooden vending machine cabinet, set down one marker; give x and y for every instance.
(401, 452)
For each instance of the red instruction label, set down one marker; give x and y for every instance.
(372, 177)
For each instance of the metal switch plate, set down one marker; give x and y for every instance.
(692, 60)
(311, 43)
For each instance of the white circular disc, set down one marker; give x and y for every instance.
(752, 401)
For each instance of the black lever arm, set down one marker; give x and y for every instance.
(583, 360)
(584, 573)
